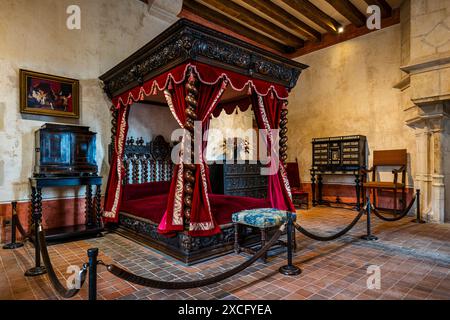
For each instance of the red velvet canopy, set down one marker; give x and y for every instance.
(207, 75)
(242, 104)
(268, 99)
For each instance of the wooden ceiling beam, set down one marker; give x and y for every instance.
(257, 22)
(285, 18)
(230, 24)
(314, 14)
(350, 32)
(349, 11)
(386, 9)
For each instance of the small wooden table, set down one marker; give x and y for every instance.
(93, 224)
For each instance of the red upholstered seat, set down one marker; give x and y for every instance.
(152, 207)
(299, 196)
(293, 175)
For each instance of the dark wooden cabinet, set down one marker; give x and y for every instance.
(238, 180)
(346, 155)
(64, 150)
(335, 154)
(65, 157)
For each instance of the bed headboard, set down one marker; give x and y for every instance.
(147, 161)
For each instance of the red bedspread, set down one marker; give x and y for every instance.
(149, 201)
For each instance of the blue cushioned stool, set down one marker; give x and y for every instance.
(265, 219)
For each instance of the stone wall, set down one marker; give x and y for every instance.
(34, 36)
(348, 90)
(392, 86)
(148, 121)
(229, 126)
(426, 93)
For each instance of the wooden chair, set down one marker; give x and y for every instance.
(299, 196)
(391, 158)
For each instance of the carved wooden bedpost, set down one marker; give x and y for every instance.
(189, 168)
(112, 146)
(283, 134)
(113, 111)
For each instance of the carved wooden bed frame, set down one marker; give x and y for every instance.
(182, 42)
(150, 162)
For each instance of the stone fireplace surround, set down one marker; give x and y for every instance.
(426, 99)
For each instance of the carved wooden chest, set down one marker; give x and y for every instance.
(238, 180)
(64, 150)
(336, 154)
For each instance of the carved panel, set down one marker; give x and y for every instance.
(147, 162)
(185, 41)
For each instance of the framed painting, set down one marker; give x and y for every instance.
(48, 95)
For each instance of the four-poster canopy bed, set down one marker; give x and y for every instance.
(195, 71)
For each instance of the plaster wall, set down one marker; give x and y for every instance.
(348, 90)
(34, 36)
(148, 121)
(228, 126)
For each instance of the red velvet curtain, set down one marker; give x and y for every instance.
(267, 112)
(212, 82)
(113, 193)
(173, 218)
(202, 222)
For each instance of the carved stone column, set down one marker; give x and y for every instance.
(423, 176)
(426, 99)
(438, 173)
(189, 168)
(283, 134)
(432, 159)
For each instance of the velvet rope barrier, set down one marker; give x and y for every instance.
(403, 214)
(133, 278)
(332, 237)
(20, 228)
(62, 291)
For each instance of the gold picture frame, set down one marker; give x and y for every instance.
(49, 95)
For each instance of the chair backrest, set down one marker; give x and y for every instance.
(390, 158)
(293, 174)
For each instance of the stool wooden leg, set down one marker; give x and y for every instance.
(263, 243)
(237, 249)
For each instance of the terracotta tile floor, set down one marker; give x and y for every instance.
(414, 261)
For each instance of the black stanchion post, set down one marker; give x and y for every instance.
(418, 218)
(369, 235)
(289, 269)
(36, 210)
(13, 244)
(92, 254)
(37, 270)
